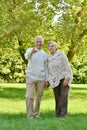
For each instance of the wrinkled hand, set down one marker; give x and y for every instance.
(34, 50)
(46, 84)
(66, 82)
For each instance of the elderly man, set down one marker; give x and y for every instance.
(36, 77)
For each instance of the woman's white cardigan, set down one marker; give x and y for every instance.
(58, 68)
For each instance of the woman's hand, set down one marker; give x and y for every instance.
(66, 82)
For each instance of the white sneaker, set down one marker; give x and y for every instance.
(37, 116)
(30, 117)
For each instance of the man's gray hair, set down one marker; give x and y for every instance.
(40, 38)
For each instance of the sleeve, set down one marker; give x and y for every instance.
(28, 53)
(67, 70)
(46, 67)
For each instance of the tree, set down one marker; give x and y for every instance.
(22, 20)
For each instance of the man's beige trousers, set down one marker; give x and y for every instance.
(33, 108)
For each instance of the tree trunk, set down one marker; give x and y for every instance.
(22, 51)
(76, 40)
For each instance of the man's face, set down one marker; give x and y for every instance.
(38, 44)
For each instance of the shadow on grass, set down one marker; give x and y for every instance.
(19, 93)
(12, 93)
(78, 88)
(75, 93)
(43, 115)
(78, 93)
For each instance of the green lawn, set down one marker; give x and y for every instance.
(13, 110)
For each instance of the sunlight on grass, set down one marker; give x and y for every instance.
(13, 109)
(9, 106)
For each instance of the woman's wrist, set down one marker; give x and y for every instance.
(67, 79)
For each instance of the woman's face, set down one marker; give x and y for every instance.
(51, 48)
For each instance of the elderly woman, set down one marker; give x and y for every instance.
(60, 76)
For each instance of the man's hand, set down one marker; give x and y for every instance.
(34, 50)
(46, 84)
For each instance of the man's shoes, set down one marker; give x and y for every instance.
(36, 116)
(30, 117)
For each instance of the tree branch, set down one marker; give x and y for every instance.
(21, 50)
(82, 34)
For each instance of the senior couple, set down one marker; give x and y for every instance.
(42, 71)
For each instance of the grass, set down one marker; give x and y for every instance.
(13, 109)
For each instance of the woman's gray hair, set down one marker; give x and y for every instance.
(52, 42)
(40, 38)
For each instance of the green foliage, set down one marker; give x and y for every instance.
(79, 71)
(12, 70)
(79, 65)
(22, 20)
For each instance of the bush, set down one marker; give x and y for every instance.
(79, 69)
(12, 70)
